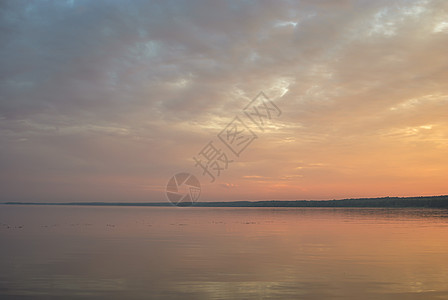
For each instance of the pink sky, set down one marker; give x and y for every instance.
(106, 100)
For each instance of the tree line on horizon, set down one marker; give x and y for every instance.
(424, 201)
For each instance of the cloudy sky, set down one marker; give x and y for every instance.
(105, 100)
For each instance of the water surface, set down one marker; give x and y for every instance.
(70, 252)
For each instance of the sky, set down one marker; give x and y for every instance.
(106, 100)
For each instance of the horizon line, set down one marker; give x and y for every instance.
(387, 201)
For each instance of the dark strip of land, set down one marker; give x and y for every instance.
(427, 201)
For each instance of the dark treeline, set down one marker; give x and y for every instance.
(434, 201)
(431, 201)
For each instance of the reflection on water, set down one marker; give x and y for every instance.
(222, 253)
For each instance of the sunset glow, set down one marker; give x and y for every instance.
(105, 101)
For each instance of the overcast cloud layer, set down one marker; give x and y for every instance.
(105, 100)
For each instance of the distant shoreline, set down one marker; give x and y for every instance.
(425, 201)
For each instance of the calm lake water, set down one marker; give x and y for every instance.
(222, 253)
